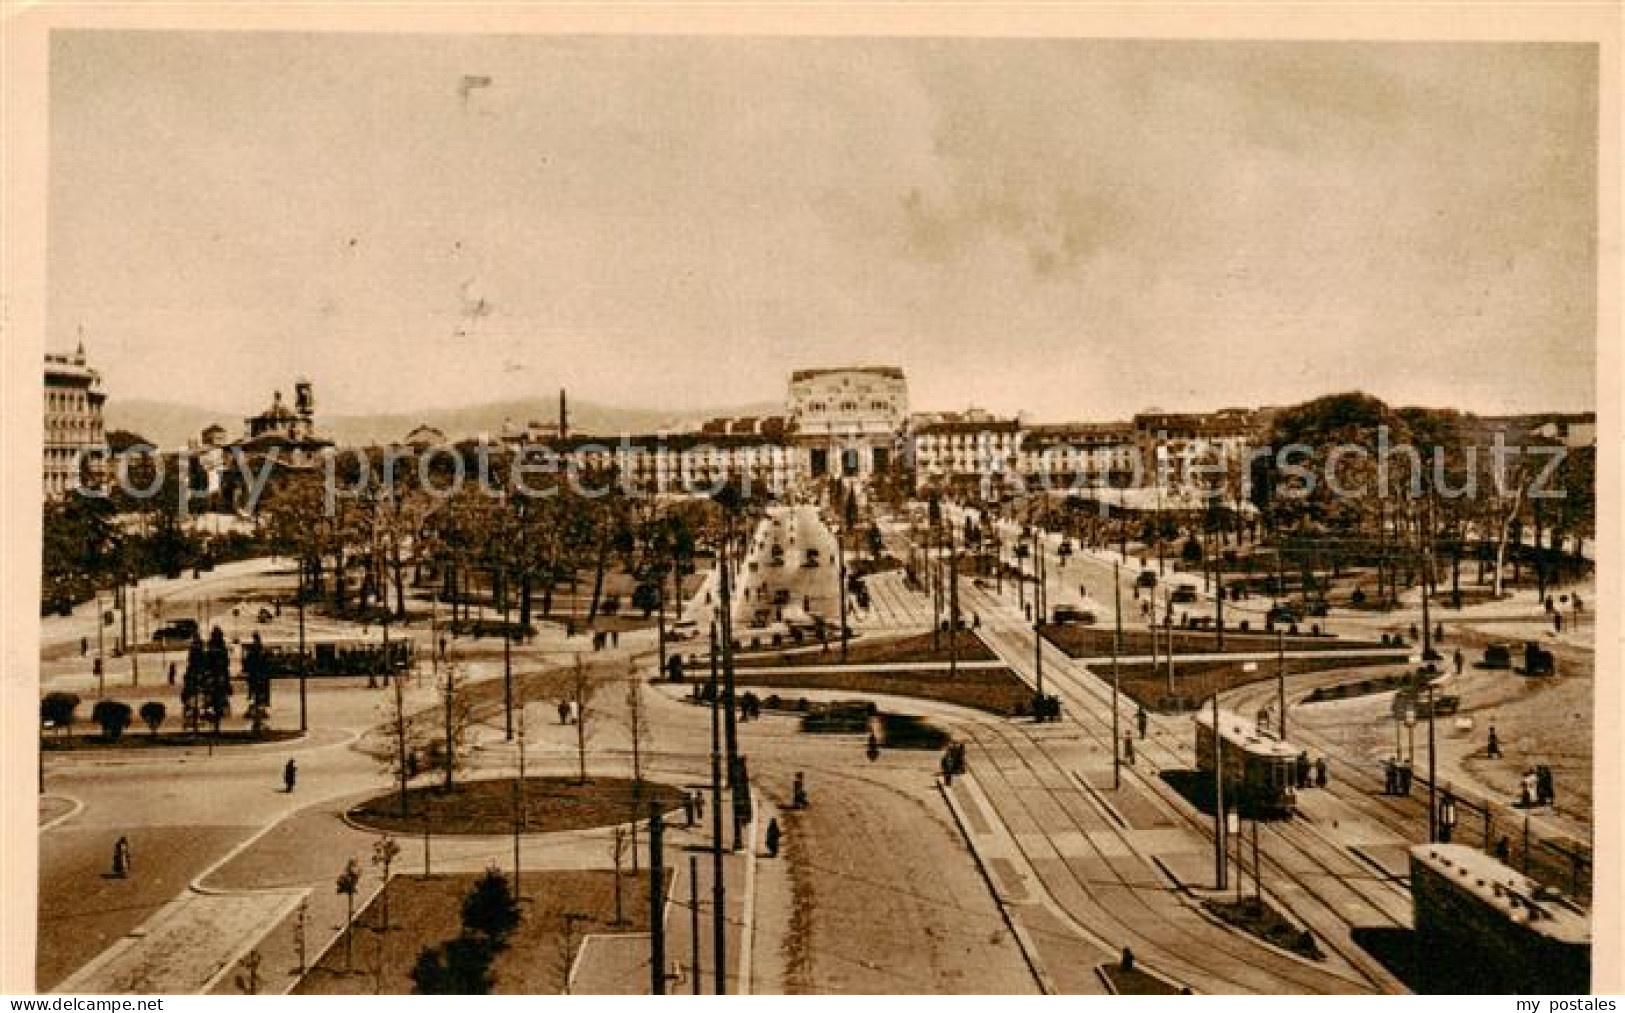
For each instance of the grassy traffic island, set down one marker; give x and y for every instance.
(166, 740)
(486, 807)
(1196, 681)
(1257, 917)
(995, 690)
(916, 647)
(428, 928)
(1096, 641)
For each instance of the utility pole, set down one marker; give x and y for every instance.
(1219, 868)
(1168, 625)
(657, 888)
(518, 807)
(1038, 613)
(694, 922)
(840, 576)
(1117, 648)
(1218, 600)
(953, 604)
(304, 660)
(1433, 752)
(1258, 879)
(507, 664)
(719, 925)
(1280, 681)
(730, 729)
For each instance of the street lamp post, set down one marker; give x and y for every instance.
(304, 662)
(1117, 647)
(1433, 808)
(1038, 612)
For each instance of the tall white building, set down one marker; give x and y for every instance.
(74, 434)
(850, 421)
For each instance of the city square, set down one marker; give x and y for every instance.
(633, 548)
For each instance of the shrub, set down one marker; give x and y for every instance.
(152, 715)
(57, 709)
(459, 967)
(114, 716)
(490, 908)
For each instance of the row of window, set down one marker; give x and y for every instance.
(818, 407)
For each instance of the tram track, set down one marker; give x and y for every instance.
(1084, 694)
(1169, 926)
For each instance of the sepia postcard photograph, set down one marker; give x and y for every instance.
(941, 505)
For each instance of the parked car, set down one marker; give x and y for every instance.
(1498, 656)
(1285, 613)
(176, 631)
(1064, 615)
(1184, 594)
(1537, 660)
(685, 629)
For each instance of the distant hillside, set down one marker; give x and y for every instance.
(171, 425)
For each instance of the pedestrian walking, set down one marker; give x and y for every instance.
(798, 794)
(1549, 605)
(772, 838)
(1493, 750)
(1503, 849)
(172, 673)
(1459, 660)
(1320, 772)
(872, 750)
(84, 646)
(564, 712)
(121, 858)
(1141, 720)
(1128, 748)
(290, 775)
(1557, 622)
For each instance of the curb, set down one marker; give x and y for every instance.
(1024, 943)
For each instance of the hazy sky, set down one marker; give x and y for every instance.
(1078, 229)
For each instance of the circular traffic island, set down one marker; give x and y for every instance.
(488, 806)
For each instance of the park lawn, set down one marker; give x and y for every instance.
(910, 648)
(1096, 642)
(1195, 682)
(426, 911)
(486, 806)
(995, 690)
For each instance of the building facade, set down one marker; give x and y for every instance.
(75, 435)
(849, 421)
